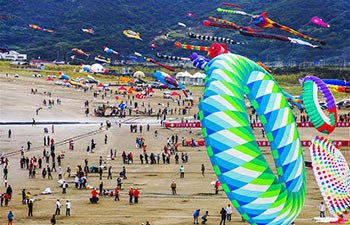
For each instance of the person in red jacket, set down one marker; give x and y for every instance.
(131, 193)
(7, 198)
(94, 198)
(116, 194)
(136, 195)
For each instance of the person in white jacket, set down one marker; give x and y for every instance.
(68, 205)
(229, 212)
(322, 209)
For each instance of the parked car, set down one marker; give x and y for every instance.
(16, 75)
(345, 103)
(51, 76)
(36, 75)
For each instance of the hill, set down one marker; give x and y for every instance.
(153, 19)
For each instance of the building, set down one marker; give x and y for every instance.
(13, 55)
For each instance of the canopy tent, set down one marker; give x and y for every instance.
(174, 94)
(122, 88)
(100, 85)
(49, 79)
(149, 91)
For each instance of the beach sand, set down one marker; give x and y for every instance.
(156, 204)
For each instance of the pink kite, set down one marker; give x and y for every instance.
(319, 21)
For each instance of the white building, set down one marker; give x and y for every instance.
(184, 77)
(13, 55)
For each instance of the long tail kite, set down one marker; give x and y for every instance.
(212, 38)
(263, 21)
(190, 47)
(229, 4)
(226, 24)
(39, 28)
(159, 64)
(170, 57)
(277, 37)
(233, 11)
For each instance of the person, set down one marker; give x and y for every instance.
(322, 210)
(24, 196)
(53, 220)
(136, 195)
(94, 198)
(10, 132)
(30, 208)
(217, 184)
(203, 169)
(101, 188)
(173, 187)
(10, 217)
(106, 138)
(64, 187)
(58, 207)
(229, 212)
(195, 216)
(109, 173)
(131, 193)
(223, 216)
(68, 205)
(182, 171)
(204, 217)
(116, 194)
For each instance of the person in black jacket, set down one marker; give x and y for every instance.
(223, 216)
(30, 208)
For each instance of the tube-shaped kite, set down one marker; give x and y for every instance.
(321, 122)
(233, 12)
(159, 64)
(170, 57)
(245, 175)
(110, 51)
(319, 22)
(132, 34)
(190, 47)
(228, 24)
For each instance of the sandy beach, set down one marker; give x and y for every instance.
(156, 204)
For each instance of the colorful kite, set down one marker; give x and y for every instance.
(263, 66)
(178, 58)
(227, 24)
(319, 21)
(321, 122)
(212, 38)
(6, 17)
(234, 12)
(80, 52)
(229, 4)
(190, 15)
(90, 31)
(263, 21)
(153, 46)
(341, 89)
(159, 64)
(109, 51)
(140, 96)
(39, 28)
(277, 37)
(246, 177)
(102, 59)
(190, 47)
(132, 34)
(336, 82)
(167, 80)
(332, 174)
(125, 79)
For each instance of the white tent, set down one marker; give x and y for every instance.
(98, 68)
(184, 77)
(139, 74)
(198, 79)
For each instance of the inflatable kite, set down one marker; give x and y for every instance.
(263, 66)
(226, 24)
(110, 51)
(229, 4)
(159, 64)
(332, 174)
(190, 47)
(277, 37)
(321, 122)
(132, 34)
(212, 38)
(190, 15)
(233, 12)
(246, 177)
(336, 82)
(125, 79)
(263, 21)
(217, 49)
(341, 89)
(43, 29)
(102, 59)
(178, 58)
(6, 17)
(167, 80)
(153, 46)
(318, 21)
(90, 31)
(80, 52)
(137, 54)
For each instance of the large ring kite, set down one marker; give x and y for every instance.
(332, 175)
(249, 182)
(321, 122)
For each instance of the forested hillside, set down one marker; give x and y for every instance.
(156, 18)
